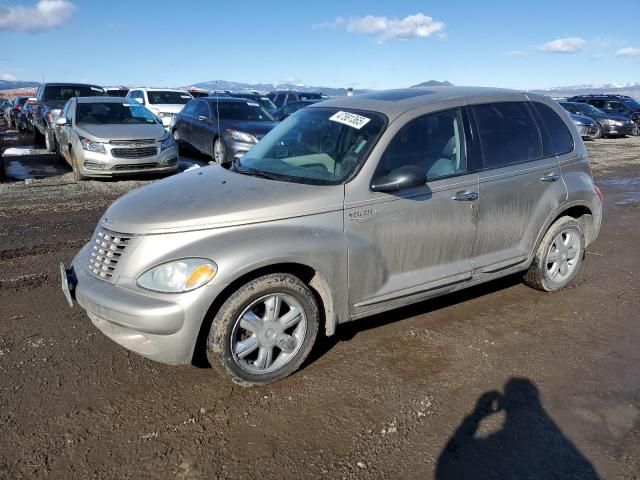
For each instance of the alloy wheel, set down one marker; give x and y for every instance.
(268, 333)
(563, 256)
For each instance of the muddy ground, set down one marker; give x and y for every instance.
(500, 381)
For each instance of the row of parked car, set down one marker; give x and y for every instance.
(598, 116)
(102, 131)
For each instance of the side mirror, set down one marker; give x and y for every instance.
(61, 121)
(33, 101)
(203, 118)
(401, 178)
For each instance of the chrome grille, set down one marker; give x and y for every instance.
(134, 152)
(107, 253)
(144, 141)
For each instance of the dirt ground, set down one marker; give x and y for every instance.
(499, 381)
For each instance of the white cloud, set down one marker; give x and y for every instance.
(44, 15)
(385, 28)
(564, 45)
(628, 52)
(8, 77)
(516, 53)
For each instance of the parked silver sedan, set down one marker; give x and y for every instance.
(107, 136)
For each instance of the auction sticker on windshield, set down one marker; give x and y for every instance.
(350, 119)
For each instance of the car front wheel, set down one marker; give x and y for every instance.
(219, 151)
(559, 256)
(265, 330)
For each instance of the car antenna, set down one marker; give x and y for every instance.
(218, 115)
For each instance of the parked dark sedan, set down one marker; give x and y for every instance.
(611, 125)
(290, 108)
(263, 100)
(224, 128)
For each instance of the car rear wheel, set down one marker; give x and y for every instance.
(219, 151)
(265, 330)
(77, 175)
(559, 256)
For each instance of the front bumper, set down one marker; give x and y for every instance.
(626, 129)
(106, 165)
(236, 149)
(163, 328)
(587, 130)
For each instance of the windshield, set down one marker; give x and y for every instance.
(62, 93)
(114, 113)
(316, 145)
(267, 104)
(247, 111)
(157, 97)
(589, 109)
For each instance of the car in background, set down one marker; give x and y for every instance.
(587, 127)
(616, 105)
(13, 110)
(224, 128)
(610, 125)
(108, 136)
(50, 98)
(264, 101)
(163, 102)
(290, 108)
(25, 117)
(116, 91)
(282, 97)
(196, 92)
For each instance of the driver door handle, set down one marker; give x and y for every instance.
(465, 196)
(552, 177)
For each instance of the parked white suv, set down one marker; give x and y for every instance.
(164, 102)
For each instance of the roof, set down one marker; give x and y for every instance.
(55, 84)
(181, 90)
(394, 103)
(224, 99)
(102, 99)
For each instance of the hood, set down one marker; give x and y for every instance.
(213, 197)
(259, 129)
(583, 119)
(616, 118)
(168, 108)
(105, 133)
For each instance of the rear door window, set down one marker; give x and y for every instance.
(556, 137)
(508, 134)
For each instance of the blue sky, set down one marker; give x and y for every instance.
(362, 44)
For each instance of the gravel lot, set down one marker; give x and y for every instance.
(396, 396)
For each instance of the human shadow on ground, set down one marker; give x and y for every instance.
(528, 446)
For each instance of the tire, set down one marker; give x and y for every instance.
(219, 153)
(77, 175)
(233, 347)
(598, 133)
(547, 275)
(636, 130)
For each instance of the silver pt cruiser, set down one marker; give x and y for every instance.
(348, 208)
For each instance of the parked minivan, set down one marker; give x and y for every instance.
(348, 208)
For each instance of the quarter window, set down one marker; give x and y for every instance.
(433, 143)
(556, 138)
(508, 134)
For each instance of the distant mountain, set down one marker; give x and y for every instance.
(14, 84)
(267, 87)
(631, 89)
(433, 83)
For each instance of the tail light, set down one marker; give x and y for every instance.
(599, 193)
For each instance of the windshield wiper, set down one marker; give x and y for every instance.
(255, 173)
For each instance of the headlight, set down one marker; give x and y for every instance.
(578, 122)
(92, 146)
(178, 276)
(242, 136)
(166, 142)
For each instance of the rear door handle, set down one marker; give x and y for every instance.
(465, 196)
(552, 177)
